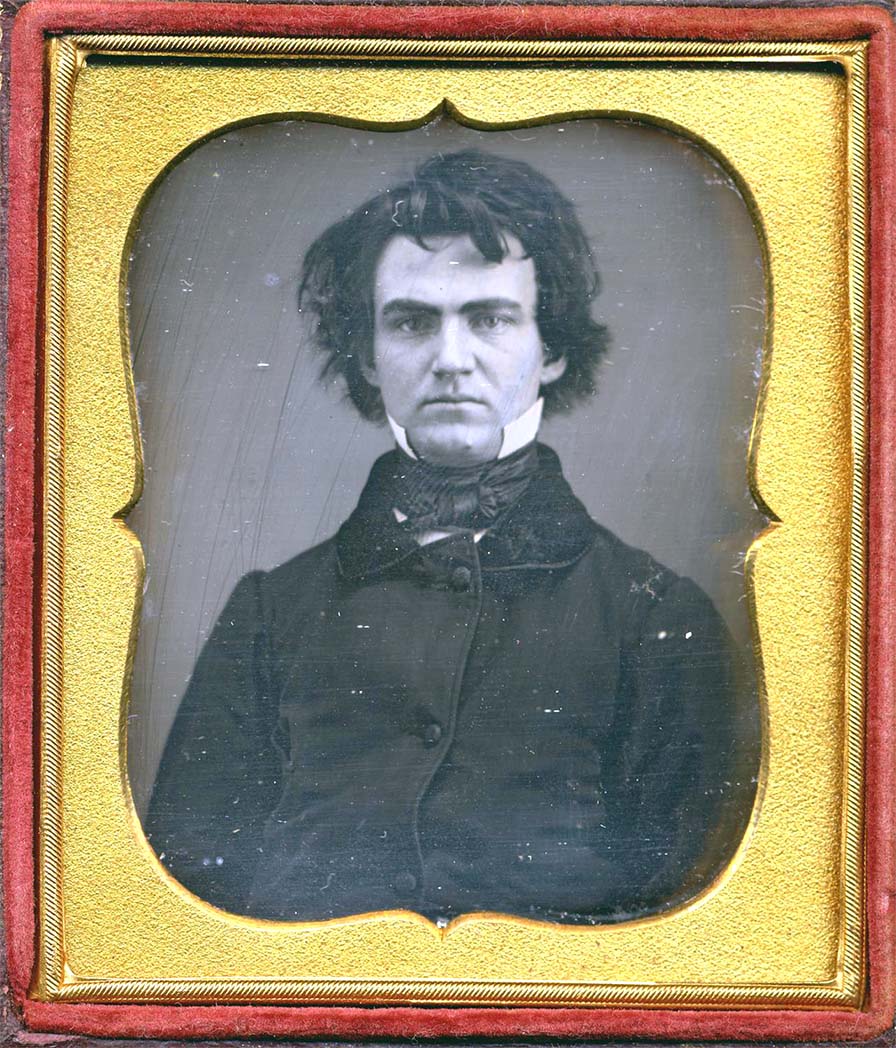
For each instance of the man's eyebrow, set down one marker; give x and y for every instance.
(481, 305)
(408, 305)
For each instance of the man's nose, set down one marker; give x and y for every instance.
(454, 353)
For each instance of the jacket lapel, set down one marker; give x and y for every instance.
(548, 527)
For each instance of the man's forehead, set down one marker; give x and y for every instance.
(449, 262)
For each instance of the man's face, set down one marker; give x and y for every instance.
(457, 353)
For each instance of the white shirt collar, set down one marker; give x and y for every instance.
(517, 434)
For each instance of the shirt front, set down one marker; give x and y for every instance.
(516, 435)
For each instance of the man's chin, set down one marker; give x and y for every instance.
(456, 445)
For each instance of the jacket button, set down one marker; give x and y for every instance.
(405, 883)
(432, 733)
(461, 578)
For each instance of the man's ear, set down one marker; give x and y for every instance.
(369, 373)
(552, 367)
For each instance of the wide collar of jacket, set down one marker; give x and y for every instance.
(546, 528)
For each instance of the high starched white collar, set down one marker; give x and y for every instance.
(517, 434)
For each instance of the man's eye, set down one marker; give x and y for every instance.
(414, 324)
(491, 322)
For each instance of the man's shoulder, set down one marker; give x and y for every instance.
(640, 581)
(283, 578)
(615, 556)
(260, 595)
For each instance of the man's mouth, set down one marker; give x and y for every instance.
(452, 398)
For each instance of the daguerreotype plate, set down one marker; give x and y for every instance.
(457, 584)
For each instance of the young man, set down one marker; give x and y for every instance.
(473, 697)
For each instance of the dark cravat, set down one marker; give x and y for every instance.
(462, 496)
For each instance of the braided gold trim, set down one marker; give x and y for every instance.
(422, 991)
(854, 885)
(463, 50)
(64, 66)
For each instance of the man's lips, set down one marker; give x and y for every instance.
(452, 398)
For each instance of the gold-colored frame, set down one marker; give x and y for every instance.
(784, 924)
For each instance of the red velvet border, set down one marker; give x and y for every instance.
(22, 494)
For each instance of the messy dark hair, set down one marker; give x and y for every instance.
(469, 193)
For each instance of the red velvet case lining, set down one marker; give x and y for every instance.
(22, 448)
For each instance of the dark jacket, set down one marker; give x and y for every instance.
(545, 723)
